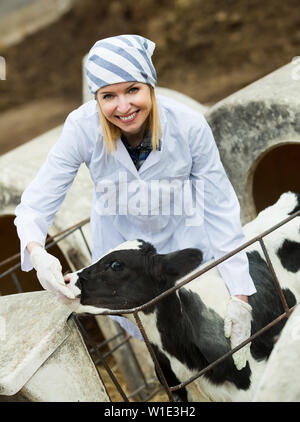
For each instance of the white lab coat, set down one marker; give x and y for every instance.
(188, 151)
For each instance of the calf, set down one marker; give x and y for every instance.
(186, 327)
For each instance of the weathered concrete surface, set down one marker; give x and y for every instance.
(42, 356)
(246, 124)
(19, 18)
(281, 379)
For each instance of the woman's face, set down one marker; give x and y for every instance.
(127, 105)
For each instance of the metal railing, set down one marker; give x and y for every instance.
(123, 337)
(135, 311)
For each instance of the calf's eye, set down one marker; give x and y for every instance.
(116, 266)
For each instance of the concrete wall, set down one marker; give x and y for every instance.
(42, 355)
(250, 122)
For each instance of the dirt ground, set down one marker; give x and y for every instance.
(205, 49)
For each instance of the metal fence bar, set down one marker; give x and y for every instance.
(47, 246)
(153, 355)
(282, 297)
(10, 270)
(141, 389)
(196, 274)
(184, 281)
(74, 226)
(104, 343)
(85, 241)
(114, 348)
(16, 281)
(146, 385)
(103, 361)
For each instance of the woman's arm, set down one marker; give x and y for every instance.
(45, 194)
(224, 230)
(221, 213)
(31, 245)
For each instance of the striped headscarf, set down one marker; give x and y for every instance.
(123, 58)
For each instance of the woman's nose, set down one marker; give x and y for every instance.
(123, 105)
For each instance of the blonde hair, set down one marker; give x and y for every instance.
(112, 133)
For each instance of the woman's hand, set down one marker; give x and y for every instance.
(49, 271)
(237, 326)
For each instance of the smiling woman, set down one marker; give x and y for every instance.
(128, 109)
(146, 139)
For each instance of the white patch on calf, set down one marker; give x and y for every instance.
(210, 288)
(81, 309)
(129, 244)
(273, 215)
(265, 220)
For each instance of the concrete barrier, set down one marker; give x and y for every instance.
(280, 381)
(252, 121)
(42, 354)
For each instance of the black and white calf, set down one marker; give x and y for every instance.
(186, 327)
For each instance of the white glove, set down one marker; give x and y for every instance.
(237, 326)
(49, 273)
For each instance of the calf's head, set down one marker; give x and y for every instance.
(129, 276)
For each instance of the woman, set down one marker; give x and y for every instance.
(129, 139)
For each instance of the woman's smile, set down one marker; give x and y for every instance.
(129, 118)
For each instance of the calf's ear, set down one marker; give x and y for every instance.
(297, 207)
(181, 262)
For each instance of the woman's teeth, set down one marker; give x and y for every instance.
(128, 117)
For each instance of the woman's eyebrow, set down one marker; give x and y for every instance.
(111, 92)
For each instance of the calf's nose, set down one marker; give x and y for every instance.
(71, 280)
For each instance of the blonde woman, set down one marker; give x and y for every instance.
(130, 139)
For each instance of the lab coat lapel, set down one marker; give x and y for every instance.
(124, 158)
(152, 159)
